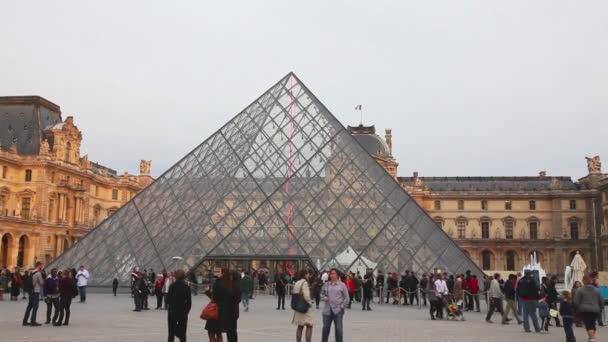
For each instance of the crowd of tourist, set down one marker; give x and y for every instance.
(56, 288)
(522, 298)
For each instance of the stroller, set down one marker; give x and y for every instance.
(453, 309)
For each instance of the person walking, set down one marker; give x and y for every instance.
(412, 288)
(441, 291)
(528, 293)
(66, 293)
(158, 291)
(509, 289)
(167, 281)
(179, 300)
(368, 291)
(115, 286)
(5, 279)
(280, 284)
(34, 298)
(316, 286)
(589, 303)
(543, 313)
(335, 297)
(566, 310)
(303, 319)
(82, 280)
(495, 297)
(51, 296)
(459, 291)
(552, 297)
(27, 283)
(350, 285)
(424, 281)
(16, 284)
(379, 286)
(247, 289)
(137, 289)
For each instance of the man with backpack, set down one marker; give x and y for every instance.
(527, 291)
(34, 298)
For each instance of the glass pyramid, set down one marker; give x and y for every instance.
(282, 179)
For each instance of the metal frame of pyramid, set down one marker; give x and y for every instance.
(282, 179)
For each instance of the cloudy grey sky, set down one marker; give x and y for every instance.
(470, 88)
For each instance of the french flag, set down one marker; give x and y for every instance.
(358, 107)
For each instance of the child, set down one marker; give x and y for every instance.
(543, 313)
(114, 286)
(566, 310)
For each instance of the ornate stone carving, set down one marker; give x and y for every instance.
(594, 165)
(45, 149)
(144, 167)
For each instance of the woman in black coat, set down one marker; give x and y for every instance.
(227, 295)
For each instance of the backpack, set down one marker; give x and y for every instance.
(526, 288)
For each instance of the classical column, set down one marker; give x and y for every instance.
(60, 214)
(13, 250)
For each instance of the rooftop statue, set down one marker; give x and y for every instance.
(594, 165)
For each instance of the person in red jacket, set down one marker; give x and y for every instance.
(350, 285)
(473, 287)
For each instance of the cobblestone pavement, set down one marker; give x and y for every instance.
(107, 318)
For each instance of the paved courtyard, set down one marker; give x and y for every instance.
(107, 318)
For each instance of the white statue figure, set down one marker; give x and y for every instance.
(578, 268)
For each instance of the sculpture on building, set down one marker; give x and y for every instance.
(594, 165)
(144, 167)
(45, 149)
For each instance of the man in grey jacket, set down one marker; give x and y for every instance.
(336, 298)
(34, 298)
(589, 303)
(495, 296)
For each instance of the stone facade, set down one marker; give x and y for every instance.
(500, 221)
(50, 195)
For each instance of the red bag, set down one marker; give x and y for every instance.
(210, 312)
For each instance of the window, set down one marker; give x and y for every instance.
(509, 229)
(510, 261)
(485, 230)
(533, 230)
(114, 194)
(437, 205)
(439, 221)
(532, 205)
(96, 191)
(460, 205)
(28, 175)
(486, 260)
(508, 205)
(572, 204)
(68, 147)
(25, 208)
(53, 177)
(574, 230)
(461, 230)
(484, 205)
(4, 172)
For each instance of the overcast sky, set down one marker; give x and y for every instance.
(470, 88)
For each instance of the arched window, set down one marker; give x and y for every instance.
(510, 256)
(21, 254)
(5, 246)
(486, 260)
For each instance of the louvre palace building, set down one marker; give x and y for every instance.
(50, 195)
(284, 185)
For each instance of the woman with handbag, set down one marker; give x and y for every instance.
(227, 295)
(303, 319)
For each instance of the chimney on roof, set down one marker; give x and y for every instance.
(389, 140)
(543, 174)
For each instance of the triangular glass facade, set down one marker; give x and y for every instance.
(282, 179)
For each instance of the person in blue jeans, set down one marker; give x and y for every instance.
(336, 298)
(34, 298)
(528, 293)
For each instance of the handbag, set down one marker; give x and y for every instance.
(210, 312)
(298, 303)
(553, 313)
